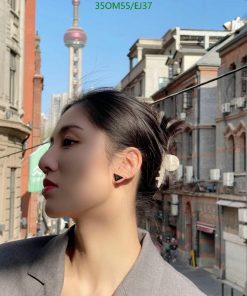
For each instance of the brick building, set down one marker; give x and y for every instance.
(33, 85)
(202, 206)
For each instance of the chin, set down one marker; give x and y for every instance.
(52, 212)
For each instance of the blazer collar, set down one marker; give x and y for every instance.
(48, 267)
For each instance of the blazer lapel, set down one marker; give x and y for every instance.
(48, 266)
(145, 275)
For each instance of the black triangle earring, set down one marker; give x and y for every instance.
(117, 177)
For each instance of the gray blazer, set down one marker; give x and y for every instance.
(35, 267)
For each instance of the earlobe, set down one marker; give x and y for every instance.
(117, 177)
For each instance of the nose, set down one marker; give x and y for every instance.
(48, 161)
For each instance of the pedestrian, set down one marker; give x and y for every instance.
(173, 248)
(105, 152)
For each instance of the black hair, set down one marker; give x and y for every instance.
(127, 122)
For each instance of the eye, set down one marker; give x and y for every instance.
(67, 142)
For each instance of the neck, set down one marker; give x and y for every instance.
(104, 249)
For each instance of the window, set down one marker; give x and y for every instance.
(13, 4)
(232, 83)
(190, 143)
(187, 99)
(12, 202)
(243, 152)
(244, 77)
(140, 87)
(12, 77)
(170, 72)
(231, 154)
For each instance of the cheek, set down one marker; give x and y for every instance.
(87, 177)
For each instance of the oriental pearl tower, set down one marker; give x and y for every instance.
(75, 39)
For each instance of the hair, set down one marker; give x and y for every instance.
(130, 122)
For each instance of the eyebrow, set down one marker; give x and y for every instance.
(65, 128)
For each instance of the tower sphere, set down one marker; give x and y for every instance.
(75, 37)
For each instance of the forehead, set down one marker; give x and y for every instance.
(73, 116)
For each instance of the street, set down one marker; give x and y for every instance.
(206, 281)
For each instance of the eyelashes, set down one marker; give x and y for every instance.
(67, 142)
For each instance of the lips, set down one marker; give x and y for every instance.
(47, 182)
(48, 186)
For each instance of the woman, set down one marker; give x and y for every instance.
(106, 151)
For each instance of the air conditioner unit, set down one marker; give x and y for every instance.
(182, 115)
(240, 102)
(180, 172)
(242, 231)
(225, 108)
(228, 179)
(188, 174)
(174, 199)
(233, 102)
(242, 215)
(215, 174)
(174, 210)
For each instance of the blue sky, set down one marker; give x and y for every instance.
(112, 32)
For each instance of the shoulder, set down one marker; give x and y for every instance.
(176, 282)
(164, 279)
(21, 251)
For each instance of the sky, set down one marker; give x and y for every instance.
(110, 34)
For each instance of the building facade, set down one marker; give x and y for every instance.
(154, 62)
(231, 123)
(33, 86)
(58, 101)
(13, 130)
(205, 206)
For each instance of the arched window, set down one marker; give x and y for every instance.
(242, 150)
(232, 83)
(231, 154)
(244, 77)
(190, 143)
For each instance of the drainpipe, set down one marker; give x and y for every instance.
(197, 123)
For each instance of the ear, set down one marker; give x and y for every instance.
(128, 163)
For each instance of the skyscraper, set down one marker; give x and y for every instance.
(75, 39)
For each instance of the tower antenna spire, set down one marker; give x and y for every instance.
(76, 4)
(75, 39)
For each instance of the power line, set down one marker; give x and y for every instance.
(200, 84)
(174, 94)
(21, 151)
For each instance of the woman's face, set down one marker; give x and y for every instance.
(76, 161)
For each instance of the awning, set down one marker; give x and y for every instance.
(230, 203)
(36, 176)
(205, 227)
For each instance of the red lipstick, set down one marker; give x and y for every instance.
(48, 185)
